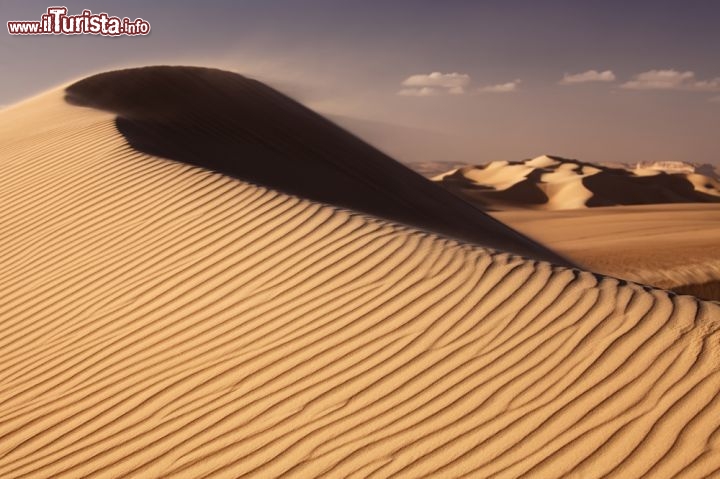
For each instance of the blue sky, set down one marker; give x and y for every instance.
(350, 59)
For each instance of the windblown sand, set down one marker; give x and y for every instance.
(161, 320)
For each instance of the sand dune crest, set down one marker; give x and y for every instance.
(240, 127)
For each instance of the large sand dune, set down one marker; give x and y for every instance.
(554, 183)
(162, 320)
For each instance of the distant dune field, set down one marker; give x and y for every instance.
(161, 319)
(655, 223)
(554, 183)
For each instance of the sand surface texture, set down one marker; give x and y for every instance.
(161, 320)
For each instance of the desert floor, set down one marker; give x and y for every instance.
(674, 246)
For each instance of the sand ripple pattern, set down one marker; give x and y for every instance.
(159, 320)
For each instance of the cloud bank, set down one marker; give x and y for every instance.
(437, 83)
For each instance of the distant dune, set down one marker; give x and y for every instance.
(554, 183)
(671, 243)
(163, 315)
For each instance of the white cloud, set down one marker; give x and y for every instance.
(588, 76)
(424, 91)
(508, 87)
(671, 80)
(435, 83)
(437, 79)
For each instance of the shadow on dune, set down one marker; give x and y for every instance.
(709, 291)
(620, 187)
(524, 193)
(242, 128)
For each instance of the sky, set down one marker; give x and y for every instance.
(429, 80)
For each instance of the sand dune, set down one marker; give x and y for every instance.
(554, 183)
(163, 320)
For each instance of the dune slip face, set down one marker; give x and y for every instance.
(240, 127)
(158, 319)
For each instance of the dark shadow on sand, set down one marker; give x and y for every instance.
(240, 127)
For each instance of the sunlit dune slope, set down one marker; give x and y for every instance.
(162, 320)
